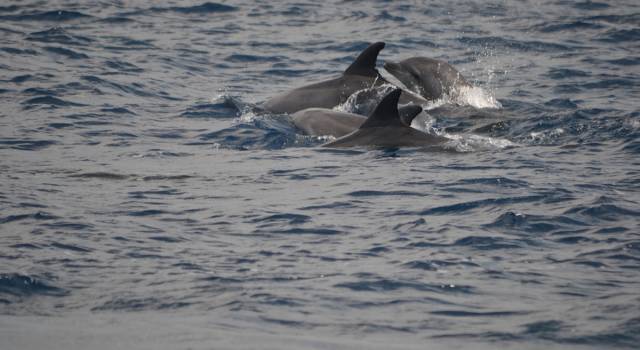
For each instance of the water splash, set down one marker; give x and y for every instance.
(245, 112)
(364, 101)
(463, 143)
(544, 137)
(483, 92)
(247, 117)
(472, 143)
(474, 96)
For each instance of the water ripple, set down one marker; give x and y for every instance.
(139, 304)
(68, 53)
(460, 208)
(60, 36)
(525, 46)
(48, 16)
(517, 222)
(606, 212)
(18, 285)
(26, 145)
(203, 9)
(49, 101)
(384, 285)
(225, 109)
(37, 216)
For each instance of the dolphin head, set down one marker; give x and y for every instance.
(428, 77)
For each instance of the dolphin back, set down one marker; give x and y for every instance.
(386, 113)
(365, 64)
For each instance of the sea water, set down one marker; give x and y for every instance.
(146, 203)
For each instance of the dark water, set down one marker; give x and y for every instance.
(144, 203)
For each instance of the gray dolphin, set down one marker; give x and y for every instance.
(428, 77)
(361, 74)
(384, 128)
(327, 122)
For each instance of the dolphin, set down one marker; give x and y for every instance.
(384, 128)
(427, 77)
(327, 122)
(361, 74)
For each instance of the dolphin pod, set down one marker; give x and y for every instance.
(388, 125)
(360, 75)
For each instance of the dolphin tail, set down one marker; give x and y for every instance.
(365, 64)
(386, 113)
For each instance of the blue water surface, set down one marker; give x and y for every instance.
(147, 203)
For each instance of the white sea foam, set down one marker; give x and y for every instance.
(247, 116)
(248, 112)
(545, 136)
(460, 142)
(472, 143)
(475, 96)
(351, 105)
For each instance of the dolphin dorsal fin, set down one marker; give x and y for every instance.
(386, 113)
(408, 113)
(365, 64)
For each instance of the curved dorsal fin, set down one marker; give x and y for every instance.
(365, 64)
(386, 112)
(408, 113)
